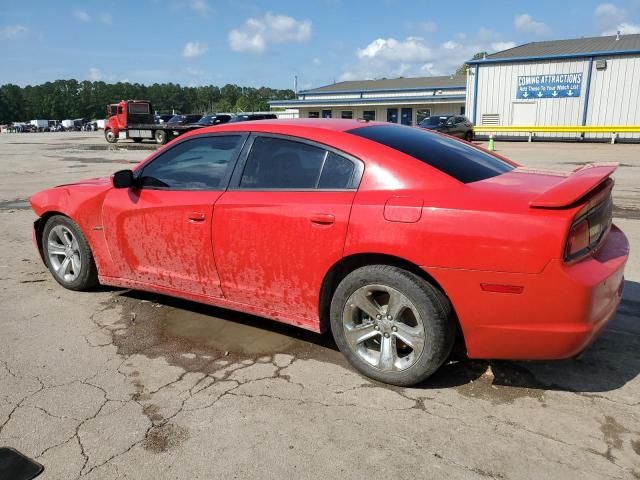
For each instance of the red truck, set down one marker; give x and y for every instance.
(134, 119)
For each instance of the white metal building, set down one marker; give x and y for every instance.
(585, 81)
(397, 100)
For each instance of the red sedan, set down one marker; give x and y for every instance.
(396, 239)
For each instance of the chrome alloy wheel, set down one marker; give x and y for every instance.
(383, 327)
(64, 253)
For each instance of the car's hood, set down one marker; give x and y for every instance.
(98, 181)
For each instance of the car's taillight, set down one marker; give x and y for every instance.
(578, 240)
(589, 230)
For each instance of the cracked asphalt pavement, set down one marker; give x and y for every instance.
(114, 384)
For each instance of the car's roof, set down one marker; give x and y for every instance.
(336, 125)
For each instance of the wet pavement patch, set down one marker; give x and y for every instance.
(165, 437)
(17, 204)
(195, 336)
(629, 213)
(118, 147)
(496, 382)
(96, 160)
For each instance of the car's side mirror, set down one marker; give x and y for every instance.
(123, 179)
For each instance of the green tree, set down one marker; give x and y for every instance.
(64, 99)
(462, 69)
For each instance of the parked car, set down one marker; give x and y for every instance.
(245, 117)
(396, 239)
(456, 125)
(184, 119)
(213, 119)
(164, 117)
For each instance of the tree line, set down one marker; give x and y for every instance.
(64, 99)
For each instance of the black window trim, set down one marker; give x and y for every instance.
(224, 182)
(236, 177)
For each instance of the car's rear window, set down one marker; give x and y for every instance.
(455, 158)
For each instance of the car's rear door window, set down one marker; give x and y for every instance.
(278, 163)
(457, 159)
(202, 163)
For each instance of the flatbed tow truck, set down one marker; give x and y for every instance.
(134, 119)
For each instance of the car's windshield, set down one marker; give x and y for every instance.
(207, 120)
(453, 157)
(435, 120)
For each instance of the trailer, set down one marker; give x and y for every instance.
(134, 119)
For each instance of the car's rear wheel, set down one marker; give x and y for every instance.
(110, 136)
(67, 254)
(391, 324)
(468, 136)
(161, 137)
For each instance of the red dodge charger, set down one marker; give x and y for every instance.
(396, 239)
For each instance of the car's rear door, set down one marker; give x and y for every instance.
(159, 233)
(282, 224)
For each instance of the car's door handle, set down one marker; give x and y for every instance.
(322, 218)
(194, 217)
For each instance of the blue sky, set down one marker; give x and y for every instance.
(255, 43)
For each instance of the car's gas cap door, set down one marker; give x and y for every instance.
(403, 209)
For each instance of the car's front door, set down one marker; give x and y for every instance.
(282, 224)
(159, 232)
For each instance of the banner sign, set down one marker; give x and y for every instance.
(553, 85)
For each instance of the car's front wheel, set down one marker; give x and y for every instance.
(468, 136)
(391, 324)
(67, 254)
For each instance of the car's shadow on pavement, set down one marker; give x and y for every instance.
(608, 364)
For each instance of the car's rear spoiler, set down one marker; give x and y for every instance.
(576, 186)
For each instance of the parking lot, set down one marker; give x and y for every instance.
(124, 384)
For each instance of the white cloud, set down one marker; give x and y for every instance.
(82, 16)
(414, 56)
(194, 49)
(95, 74)
(412, 49)
(316, 61)
(257, 33)
(611, 19)
(526, 24)
(13, 31)
(200, 6)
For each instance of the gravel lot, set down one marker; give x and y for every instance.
(122, 384)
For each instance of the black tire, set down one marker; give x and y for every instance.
(469, 136)
(161, 137)
(137, 140)
(87, 277)
(432, 306)
(110, 136)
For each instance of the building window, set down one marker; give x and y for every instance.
(422, 113)
(462, 110)
(326, 113)
(369, 115)
(346, 114)
(314, 114)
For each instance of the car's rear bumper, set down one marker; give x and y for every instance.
(557, 315)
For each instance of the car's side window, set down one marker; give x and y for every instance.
(280, 163)
(337, 172)
(201, 163)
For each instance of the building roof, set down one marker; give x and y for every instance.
(575, 47)
(446, 81)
